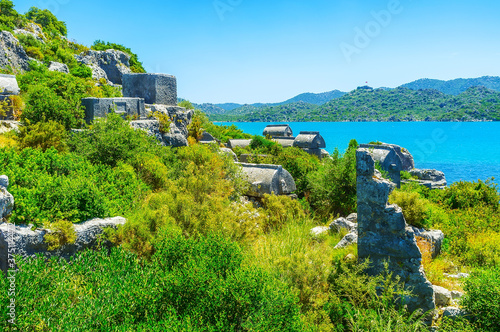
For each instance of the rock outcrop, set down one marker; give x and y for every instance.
(430, 178)
(110, 64)
(27, 242)
(60, 67)
(385, 238)
(12, 54)
(6, 199)
(33, 30)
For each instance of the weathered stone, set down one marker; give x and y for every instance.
(8, 85)
(353, 217)
(309, 140)
(286, 142)
(207, 138)
(388, 159)
(230, 153)
(28, 243)
(385, 238)
(430, 178)
(453, 312)
(60, 67)
(342, 223)
(457, 276)
(33, 30)
(442, 296)
(455, 295)
(154, 88)
(180, 117)
(275, 131)
(242, 143)
(12, 54)
(8, 125)
(101, 107)
(268, 179)
(319, 230)
(110, 64)
(6, 199)
(434, 237)
(407, 161)
(347, 240)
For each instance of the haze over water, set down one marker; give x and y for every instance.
(462, 150)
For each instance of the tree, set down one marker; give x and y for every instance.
(47, 20)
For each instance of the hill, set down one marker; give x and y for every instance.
(400, 104)
(455, 87)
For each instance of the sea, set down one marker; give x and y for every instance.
(465, 151)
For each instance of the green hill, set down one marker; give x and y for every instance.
(455, 87)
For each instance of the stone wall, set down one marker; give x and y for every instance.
(384, 236)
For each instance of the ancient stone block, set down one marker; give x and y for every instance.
(100, 107)
(154, 88)
(8, 85)
(281, 130)
(309, 140)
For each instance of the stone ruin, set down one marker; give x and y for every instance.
(144, 95)
(278, 131)
(268, 179)
(385, 238)
(388, 159)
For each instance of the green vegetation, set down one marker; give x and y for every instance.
(47, 20)
(367, 104)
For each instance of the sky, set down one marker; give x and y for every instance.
(248, 51)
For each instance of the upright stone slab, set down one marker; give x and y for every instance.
(154, 88)
(100, 107)
(384, 236)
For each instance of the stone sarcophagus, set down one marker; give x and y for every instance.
(281, 130)
(268, 179)
(154, 88)
(100, 107)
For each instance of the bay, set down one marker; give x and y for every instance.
(462, 150)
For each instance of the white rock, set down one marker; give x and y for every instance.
(442, 296)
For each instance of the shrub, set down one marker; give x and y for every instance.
(471, 194)
(263, 145)
(482, 298)
(186, 104)
(10, 19)
(483, 249)
(333, 185)
(280, 210)
(414, 208)
(82, 71)
(43, 135)
(61, 233)
(111, 140)
(47, 20)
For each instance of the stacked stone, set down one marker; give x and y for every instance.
(385, 238)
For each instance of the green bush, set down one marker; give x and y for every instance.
(47, 20)
(263, 145)
(333, 185)
(463, 194)
(189, 285)
(43, 135)
(82, 71)
(111, 140)
(482, 298)
(415, 209)
(10, 19)
(50, 186)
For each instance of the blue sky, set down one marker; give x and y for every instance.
(250, 51)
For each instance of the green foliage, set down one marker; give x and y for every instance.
(280, 210)
(47, 20)
(82, 71)
(164, 121)
(135, 64)
(414, 208)
(43, 135)
(379, 168)
(50, 186)
(189, 285)
(60, 233)
(110, 141)
(186, 104)
(222, 133)
(471, 194)
(56, 96)
(482, 298)
(263, 145)
(10, 19)
(333, 186)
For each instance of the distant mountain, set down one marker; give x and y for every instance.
(368, 104)
(455, 87)
(310, 98)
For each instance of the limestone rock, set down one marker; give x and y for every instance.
(12, 54)
(442, 296)
(230, 153)
(8, 125)
(319, 230)
(8, 85)
(110, 64)
(6, 198)
(28, 243)
(430, 178)
(342, 223)
(207, 138)
(453, 312)
(33, 30)
(60, 67)
(457, 276)
(347, 240)
(353, 217)
(455, 295)
(384, 237)
(434, 237)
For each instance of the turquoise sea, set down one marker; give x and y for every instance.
(462, 150)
